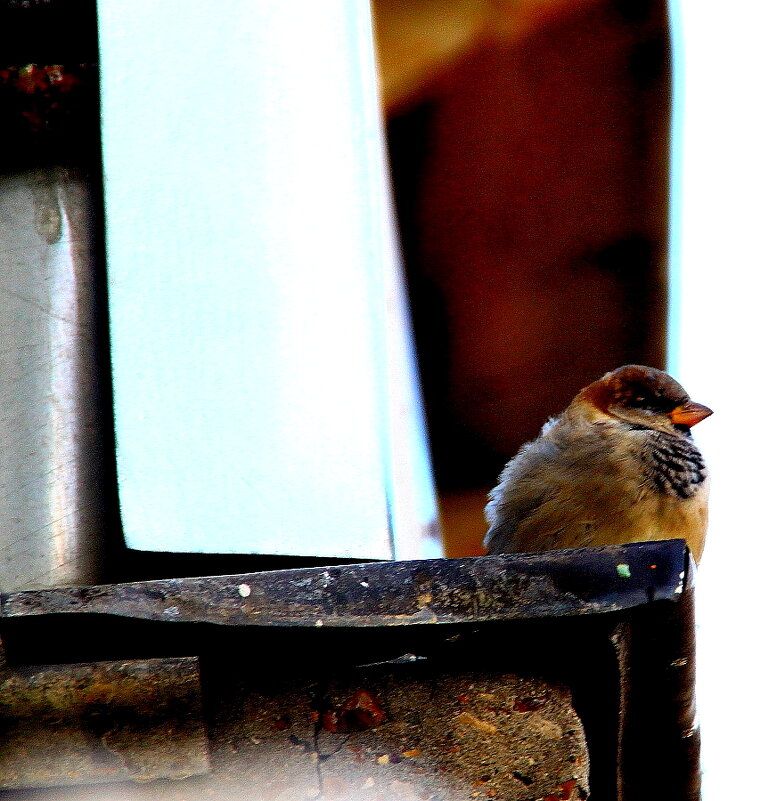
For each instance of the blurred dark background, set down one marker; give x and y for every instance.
(529, 154)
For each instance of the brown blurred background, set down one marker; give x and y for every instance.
(529, 153)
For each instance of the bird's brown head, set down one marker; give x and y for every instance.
(644, 397)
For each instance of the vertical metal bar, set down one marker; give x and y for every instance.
(659, 752)
(50, 510)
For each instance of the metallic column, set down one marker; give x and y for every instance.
(49, 453)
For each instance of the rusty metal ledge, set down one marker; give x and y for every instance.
(473, 590)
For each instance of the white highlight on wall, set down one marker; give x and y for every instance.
(723, 335)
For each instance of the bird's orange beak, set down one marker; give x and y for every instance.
(688, 414)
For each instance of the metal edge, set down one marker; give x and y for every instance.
(474, 589)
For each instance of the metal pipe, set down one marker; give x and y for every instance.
(50, 465)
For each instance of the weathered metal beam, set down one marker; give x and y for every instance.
(507, 587)
(612, 625)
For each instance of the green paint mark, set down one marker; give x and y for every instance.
(623, 571)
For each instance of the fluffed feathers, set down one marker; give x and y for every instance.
(618, 465)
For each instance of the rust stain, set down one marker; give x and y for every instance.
(466, 719)
(360, 712)
(564, 792)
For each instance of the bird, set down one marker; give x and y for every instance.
(618, 465)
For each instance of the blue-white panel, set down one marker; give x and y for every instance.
(246, 258)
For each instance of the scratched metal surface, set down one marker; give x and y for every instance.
(49, 506)
(505, 587)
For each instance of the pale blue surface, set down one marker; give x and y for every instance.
(247, 261)
(675, 185)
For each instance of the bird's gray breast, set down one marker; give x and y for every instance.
(673, 464)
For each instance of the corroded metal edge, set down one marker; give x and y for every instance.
(476, 589)
(101, 722)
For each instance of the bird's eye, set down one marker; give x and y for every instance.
(648, 402)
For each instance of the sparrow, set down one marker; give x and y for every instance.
(617, 465)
